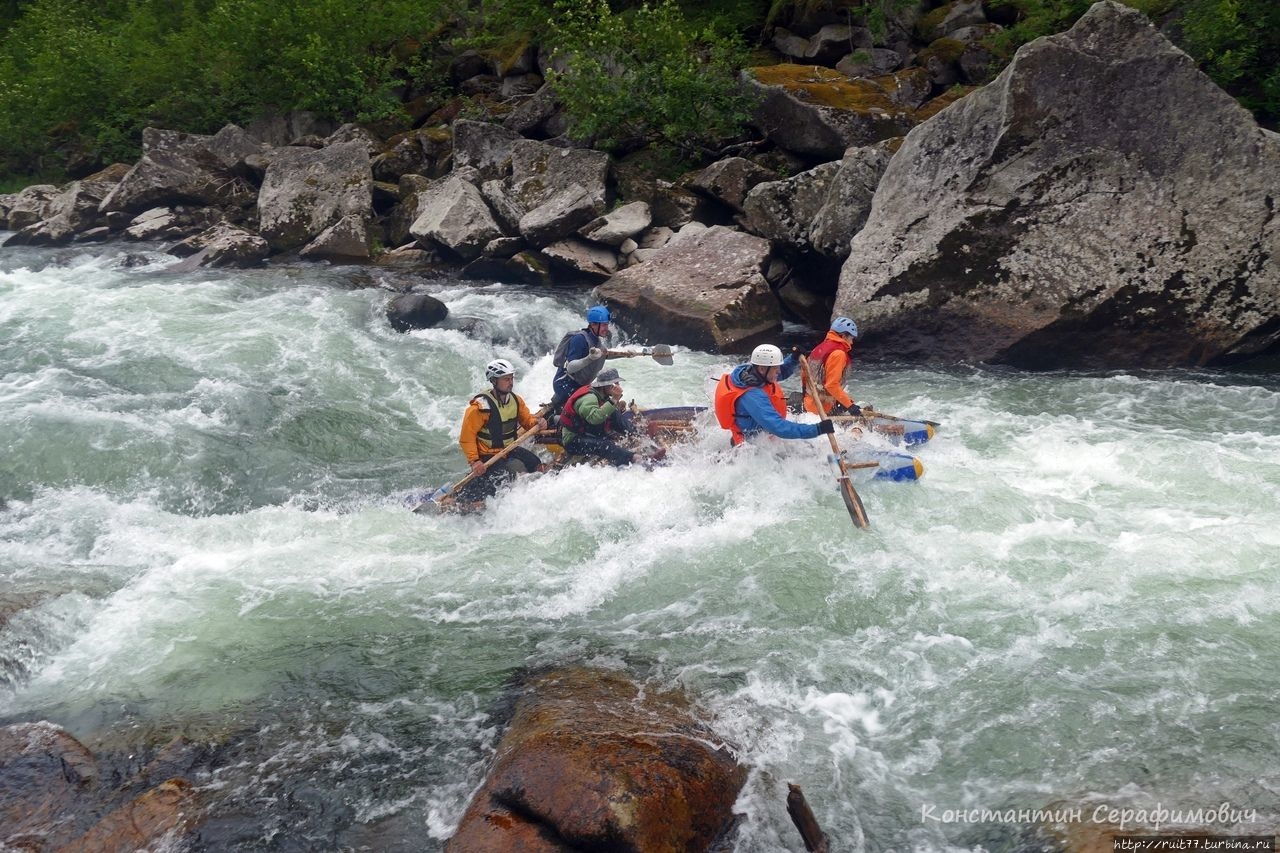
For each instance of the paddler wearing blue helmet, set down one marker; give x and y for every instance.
(580, 355)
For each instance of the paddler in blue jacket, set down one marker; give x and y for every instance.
(750, 401)
(579, 356)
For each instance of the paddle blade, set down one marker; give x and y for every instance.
(662, 354)
(853, 503)
(432, 505)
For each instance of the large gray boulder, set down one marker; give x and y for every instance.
(819, 210)
(783, 210)
(306, 190)
(423, 152)
(222, 245)
(706, 291)
(582, 259)
(729, 180)
(72, 211)
(532, 115)
(347, 240)
(30, 205)
(619, 224)
(1100, 204)
(184, 168)
(561, 215)
(483, 146)
(452, 212)
(539, 171)
(847, 203)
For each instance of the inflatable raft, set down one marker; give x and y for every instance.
(670, 425)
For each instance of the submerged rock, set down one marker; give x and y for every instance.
(51, 795)
(411, 311)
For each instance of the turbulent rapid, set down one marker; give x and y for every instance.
(202, 533)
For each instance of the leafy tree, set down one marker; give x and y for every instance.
(79, 79)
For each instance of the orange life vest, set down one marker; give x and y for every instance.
(727, 394)
(818, 366)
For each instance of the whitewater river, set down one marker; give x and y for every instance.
(201, 534)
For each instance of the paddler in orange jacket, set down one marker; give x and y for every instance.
(489, 424)
(829, 362)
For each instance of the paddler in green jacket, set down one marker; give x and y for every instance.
(592, 415)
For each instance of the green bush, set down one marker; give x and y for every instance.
(1237, 42)
(80, 79)
(646, 77)
(85, 77)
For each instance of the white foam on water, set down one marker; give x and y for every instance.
(207, 513)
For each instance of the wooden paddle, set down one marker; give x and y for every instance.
(661, 353)
(433, 503)
(868, 412)
(851, 500)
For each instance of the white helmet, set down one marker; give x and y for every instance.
(498, 368)
(766, 355)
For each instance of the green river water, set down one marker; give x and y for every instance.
(202, 533)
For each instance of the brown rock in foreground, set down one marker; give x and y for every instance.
(51, 795)
(592, 763)
(168, 810)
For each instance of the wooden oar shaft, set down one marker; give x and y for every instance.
(660, 353)
(872, 413)
(853, 502)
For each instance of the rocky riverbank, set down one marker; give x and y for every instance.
(1101, 190)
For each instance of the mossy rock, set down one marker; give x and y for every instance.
(826, 87)
(507, 53)
(945, 50)
(933, 20)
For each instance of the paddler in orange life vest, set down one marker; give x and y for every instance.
(490, 424)
(829, 362)
(749, 400)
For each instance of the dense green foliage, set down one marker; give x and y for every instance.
(83, 77)
(79, 79)
(675, 86)
(1238, 43)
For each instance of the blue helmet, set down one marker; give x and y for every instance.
(598, 314)
(844, 326)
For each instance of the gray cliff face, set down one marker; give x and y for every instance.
(1100, 204)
